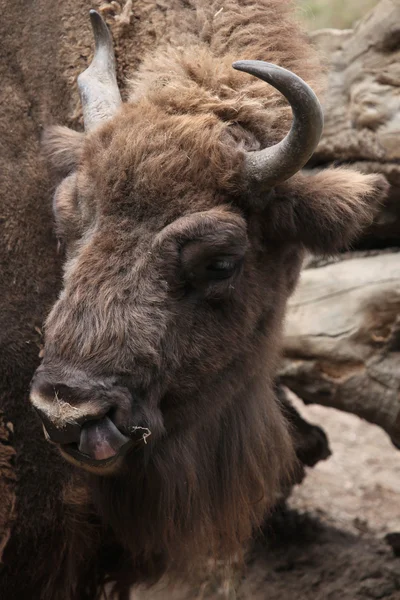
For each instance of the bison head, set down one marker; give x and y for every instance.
(183, 241)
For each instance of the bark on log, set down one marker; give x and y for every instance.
(362, 105)
(342, 342)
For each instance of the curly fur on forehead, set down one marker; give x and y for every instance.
(161, 156)
(189, 114)
(196, 75)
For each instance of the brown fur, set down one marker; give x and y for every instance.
(201, 362)
(7, 484)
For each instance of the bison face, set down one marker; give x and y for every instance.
(161, 292)
(155, 300)
(183, 241)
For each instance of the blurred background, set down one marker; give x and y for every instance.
(340, 14)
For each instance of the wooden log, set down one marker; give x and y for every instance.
(362, 106)
(342, 339)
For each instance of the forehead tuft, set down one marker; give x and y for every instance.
(147, 156)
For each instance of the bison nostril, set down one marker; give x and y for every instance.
(57, 429)
(65, 433)
(65, 409)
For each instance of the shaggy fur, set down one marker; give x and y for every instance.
(146, 198)
(7, 484)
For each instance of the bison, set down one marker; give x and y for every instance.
(185, 219)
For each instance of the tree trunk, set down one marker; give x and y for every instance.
(362, 106)
(342, 342)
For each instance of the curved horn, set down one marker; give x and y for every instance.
(98, 87)
(268, 167)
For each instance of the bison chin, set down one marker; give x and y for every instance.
(205, 486)
(102, 447)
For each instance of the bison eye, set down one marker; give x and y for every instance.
(221, 268)
(208, 271)
(213, 255)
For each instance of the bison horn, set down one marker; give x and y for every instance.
(268, 167)
(98, 86)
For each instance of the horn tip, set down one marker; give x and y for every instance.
(241, 64)
(94, 15)
(238, 64)
(252, 67)
(100, 30)
(96, 19)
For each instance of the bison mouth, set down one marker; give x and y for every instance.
(101, 443)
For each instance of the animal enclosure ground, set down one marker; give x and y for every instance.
(330, 545)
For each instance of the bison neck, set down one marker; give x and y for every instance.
(203, 490)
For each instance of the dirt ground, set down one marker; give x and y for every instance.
(330, 542)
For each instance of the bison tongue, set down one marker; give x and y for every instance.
(101, 439)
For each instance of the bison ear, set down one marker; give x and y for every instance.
(327, 211)
(62, 148)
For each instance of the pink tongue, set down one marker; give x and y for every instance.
(101, 439)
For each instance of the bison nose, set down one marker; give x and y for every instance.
(60, 423)
(79, 418)
(67, 433)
